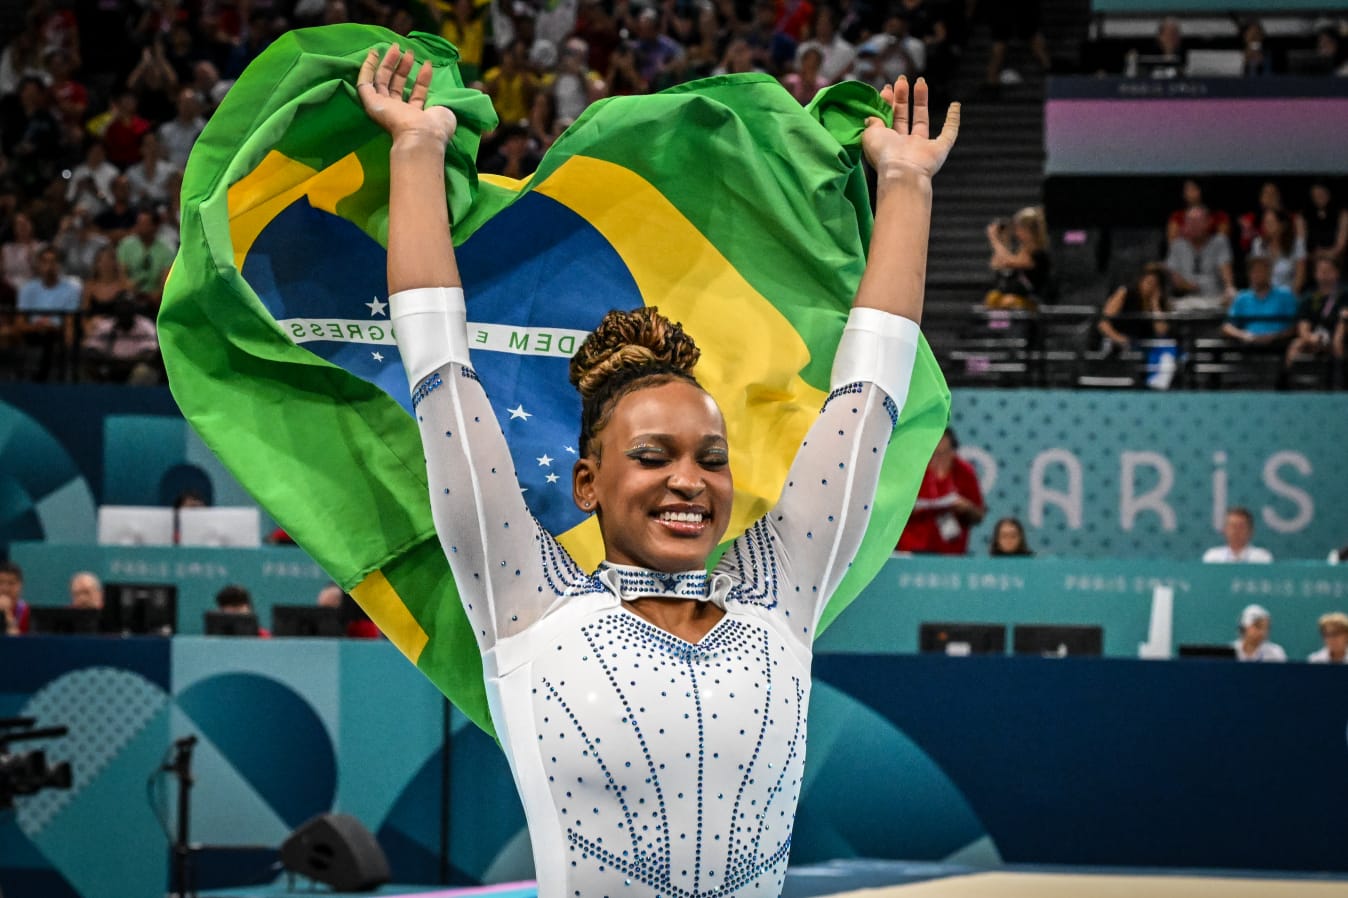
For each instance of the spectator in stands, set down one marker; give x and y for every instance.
(178, 134)
(1262, 315)
(1322, 309)
(924, 20)
(806, 81)
(1014, 18)
(1256, 59)
(515, 155)
(1251, 223)
(738, 58)
(117, 220)
(949, 504)
(565, 93)
(31, 136)
(1238, 529)
(209, 86)
(145, 257)
(1020, 261)
(464, 24)
(51, 291)
(1334, 632)
(106, 285)
(1124, 318)
(122, 347)
(1328, 49)
(13, 609)
(512, 85)
(655, 51)
(623, 79)
(1192, 193)
(235, 599)
(79, 243)
(1253, 643)
(86, 591)
(1199, 262)
(150, 178)
(90, 187)
(18, 254)
(1008, 538)
(122, 130)
(1325, 223)
(1285, 249)
(838, 53)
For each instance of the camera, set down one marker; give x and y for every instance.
(27, 773)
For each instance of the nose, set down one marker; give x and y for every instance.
(685, 479)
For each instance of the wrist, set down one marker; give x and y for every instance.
(419, 143)
(903, 178)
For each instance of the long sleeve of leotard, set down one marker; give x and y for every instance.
(794, 557)
(508, 569)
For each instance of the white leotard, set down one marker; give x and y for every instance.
(649, 766)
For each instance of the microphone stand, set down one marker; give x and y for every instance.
(181, 767)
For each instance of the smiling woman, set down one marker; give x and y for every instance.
(653, 714)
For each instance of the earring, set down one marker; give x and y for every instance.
(586, 504)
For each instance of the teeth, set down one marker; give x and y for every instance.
(684, 517)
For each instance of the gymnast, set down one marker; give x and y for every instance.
(653, 714)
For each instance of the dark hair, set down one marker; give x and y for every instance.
(954, 440)
(1241, 511)
(233, 596)
(1287, 239)
(1162, 275)
(1022, 549)
(626, 352)
(1326, 255)
(11, 567)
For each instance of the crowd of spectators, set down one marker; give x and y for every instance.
(100, 105)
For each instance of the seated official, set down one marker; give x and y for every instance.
(1253, 643)
(1238, 528)
(1334, 632)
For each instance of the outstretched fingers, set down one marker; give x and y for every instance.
(421, 86)
(951, 129)
(921, 112)
(367, 69)
(399, 80)
(899, 104)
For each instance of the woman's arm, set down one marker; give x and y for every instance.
(1111, 308)
(507, 568)
(796, 555)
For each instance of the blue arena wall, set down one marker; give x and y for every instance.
(1093, 474)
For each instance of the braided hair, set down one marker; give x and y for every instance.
(627, 352)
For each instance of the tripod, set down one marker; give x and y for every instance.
(181, 767)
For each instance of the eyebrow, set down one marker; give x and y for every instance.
(711, 439)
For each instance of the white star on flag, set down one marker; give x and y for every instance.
(377, 306)
(544, 461)
(552, 478)
(569, 449)
(377, 356)
(519, 412)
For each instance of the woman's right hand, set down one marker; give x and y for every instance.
(381, 84)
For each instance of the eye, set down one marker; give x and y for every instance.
(648, 458)
(715, 461)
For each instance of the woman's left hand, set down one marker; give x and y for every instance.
(907, 148)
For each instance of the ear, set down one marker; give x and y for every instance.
(583, 476)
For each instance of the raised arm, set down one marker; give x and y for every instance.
(507, 568)
(795, 556)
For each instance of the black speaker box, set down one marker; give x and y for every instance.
(335, 849)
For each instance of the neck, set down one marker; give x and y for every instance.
(688, 619)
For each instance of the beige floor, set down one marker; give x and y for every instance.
(1054, 885)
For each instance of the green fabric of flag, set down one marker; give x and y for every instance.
(722, 201)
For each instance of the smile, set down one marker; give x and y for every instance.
(688, 523)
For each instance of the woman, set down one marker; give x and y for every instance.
(106, 286)
(1022, 274)
(1124, 318)
(807, 82)
(1326, 223)
(653, 715)
(1285, 249)
(18, 255)
(1008, 538)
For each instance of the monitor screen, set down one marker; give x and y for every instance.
(306, 620)
(1058, 640)
(241, 527)
(229, 623)
(64, 621)
(135, 525)
(149, 609)
(1208, 651)
(962, 639)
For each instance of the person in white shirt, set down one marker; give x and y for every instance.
(1254, 644)
(1238, 530)
(1334, 631)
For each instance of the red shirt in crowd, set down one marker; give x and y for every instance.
(923, 533)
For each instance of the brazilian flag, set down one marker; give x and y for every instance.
(737, 212)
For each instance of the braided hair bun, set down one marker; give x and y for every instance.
(626, 351)
(636, 339)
